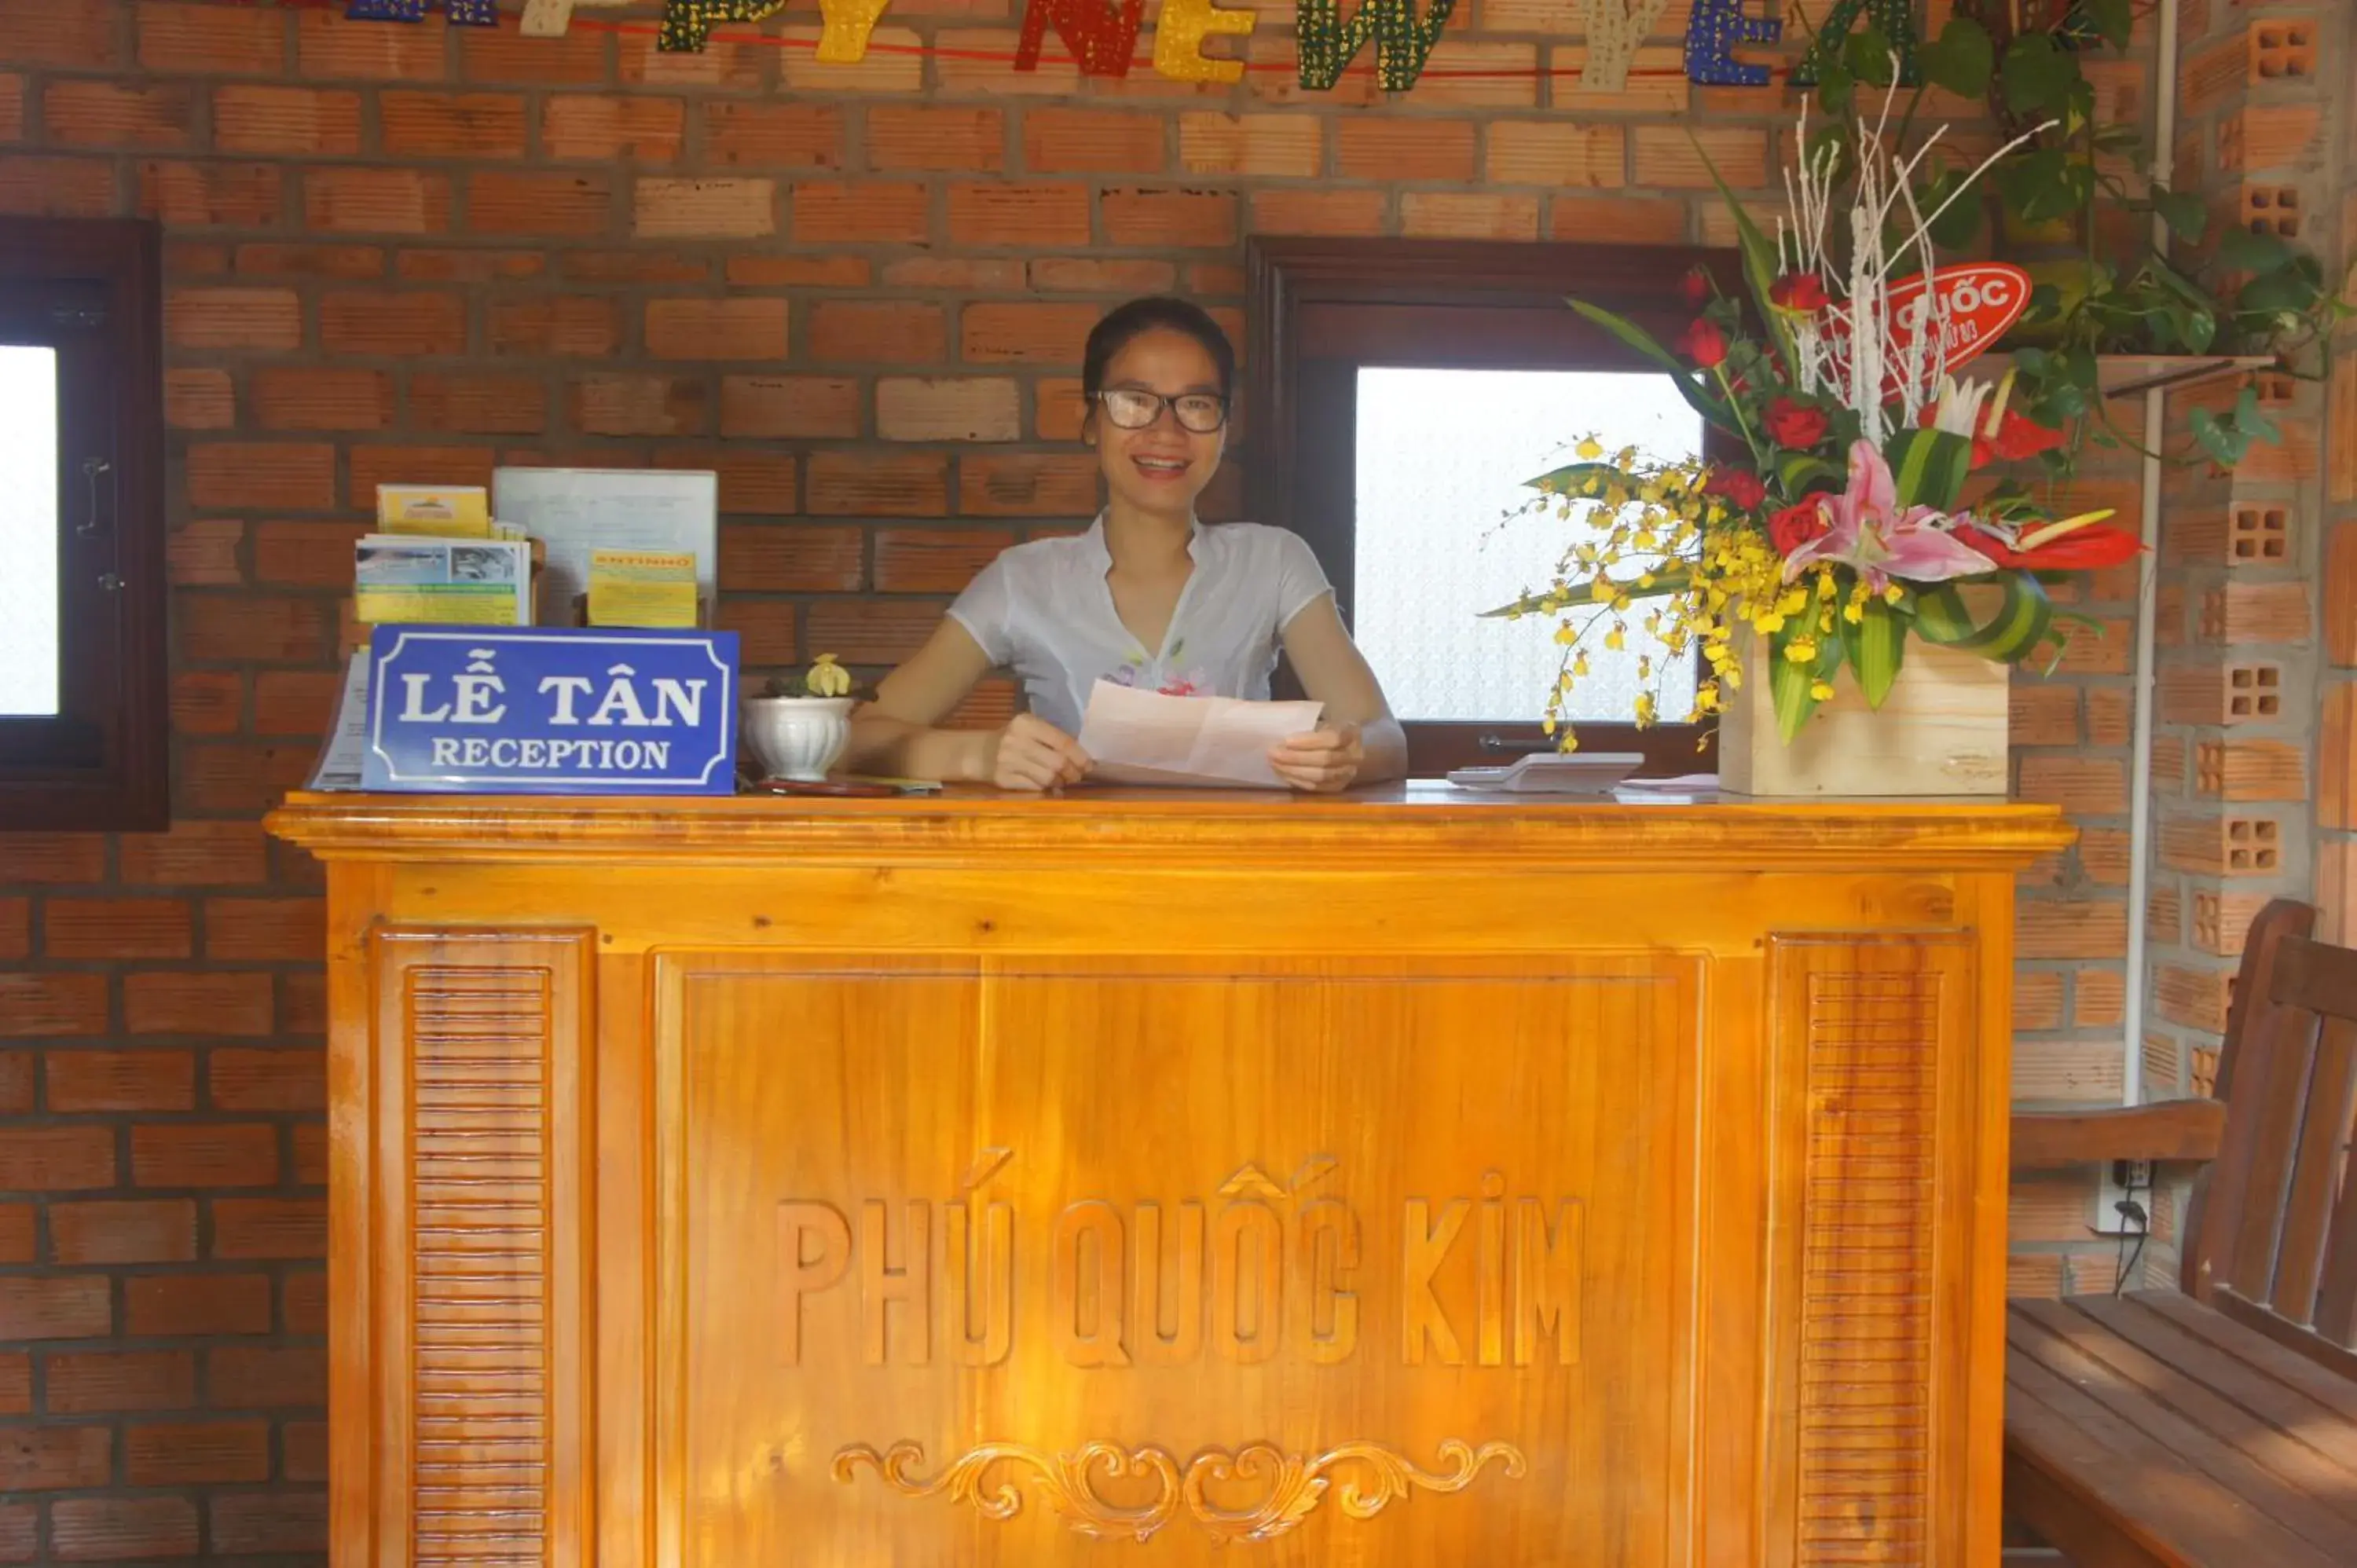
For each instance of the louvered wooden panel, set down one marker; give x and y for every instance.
(1865, 1325)
(479, 1189)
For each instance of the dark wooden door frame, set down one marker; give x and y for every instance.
(1289, 279)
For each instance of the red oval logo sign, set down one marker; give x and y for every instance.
(1981, 298)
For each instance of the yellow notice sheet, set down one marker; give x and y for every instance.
(642, 587)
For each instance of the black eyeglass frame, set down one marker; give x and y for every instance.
(1160, 403)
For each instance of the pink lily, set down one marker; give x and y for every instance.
(1867, 529)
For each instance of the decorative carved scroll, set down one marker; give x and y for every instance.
(1296, 1483)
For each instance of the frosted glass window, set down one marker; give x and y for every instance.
(28, 530)
(1442, 457)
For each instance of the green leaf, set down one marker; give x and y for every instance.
(2219, 438)
(1790, 685)
(1961, 58)
(1799, 471)
(1929, 466)
(2036, 75)
(2183, 212)
(2274, 293)
(1758, 257)
(2245, 252)
(2115, 20)
(1876, 645)
(1672, 578)
(1680, 374)
(2017, 623)
(1960, 224)
(1866, 52)
(1566, 480)
(1836, 87)
(2045, 184)
(2247, 415)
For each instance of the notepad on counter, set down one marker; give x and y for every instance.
(1145, 737)
(642, 588)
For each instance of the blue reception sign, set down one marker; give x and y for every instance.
(544, 711)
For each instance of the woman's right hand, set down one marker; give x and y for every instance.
(1032, 753)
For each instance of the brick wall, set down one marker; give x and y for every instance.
(412, 253)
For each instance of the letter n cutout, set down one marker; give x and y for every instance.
(1102, 38)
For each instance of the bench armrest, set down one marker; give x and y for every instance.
(2168, 1129)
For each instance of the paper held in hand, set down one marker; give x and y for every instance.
(1145, 737)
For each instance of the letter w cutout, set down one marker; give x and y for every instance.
(1101, 38)
(1401, 43)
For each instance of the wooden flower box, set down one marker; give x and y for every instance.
(1943, 730)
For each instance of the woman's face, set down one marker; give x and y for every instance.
(1161, 468)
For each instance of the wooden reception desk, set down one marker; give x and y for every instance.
(987, 1183)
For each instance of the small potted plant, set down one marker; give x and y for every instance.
(798, 729)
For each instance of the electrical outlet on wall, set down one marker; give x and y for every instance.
(2124, 1181)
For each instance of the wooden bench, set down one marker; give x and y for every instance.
(2216, 1428)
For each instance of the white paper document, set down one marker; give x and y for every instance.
(1145, 737)
(338, 766)
(573, 512)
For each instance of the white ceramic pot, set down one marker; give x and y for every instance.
(797, 737)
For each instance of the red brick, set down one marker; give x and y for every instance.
(197, 1453)
(44, 32)
(57, 857)
(738, 67)
(890, 332)
(862, 213)
(246, 1523)
(1126, 275)
(431, 265)
(196, 851)
(2081, 785)
(764, 629)
(162, 1231)
(503, 54)
(56, 1159)
(231, 778)
(273, 628)
(195, 1305)
(15, 928)
(199, 400)
(209, 40)
(344, 261)
(55, 1003)
(105, 114)
(237, 195)
(934, 560)
(638, 405)
(238, 1078)
(53, 1307)
(775, 135)
(740, 329)
(204, 1154)
(12, 108)
(1284, 146)
(16, 1082)
(1034, 214)
(44, 1458)
(1318, 212)
(175, 1002)
(2336, 758)
(377, 201)
(1469, 215)
(280, 121)
(872, 632)
(1371, 148)
(576, 325)
(233, 318)
(375, 322)
(749, 481)
(16, 1367)
(486, 125)
(263, 1377)
(859, 484)
(373, 466)
(803, 558)
(1622, 219)
(295, 702)
(206, 701)
(303, 1450)
(316, 554)
(1680, 157)
(775, 407)
(331, 45)
(610, 129)
(80, 1083)
(800, 272)
(204, 553)
(310, 1169)
(106, 1530)
(1090, 141)
(57, 187)
(571, 205)
(478, 404)
(260, 1227)
(951, 408)
(1034, 334)
(705, 209)
(1028, 484)
(264, 929)
(87, 1382)
(115, 927)
(2340, 594)
(320, 397)
(972, 274)
(952, 138)
(1556, 152)
(2057, 929)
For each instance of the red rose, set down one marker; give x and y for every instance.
(1739, 487)
(1704, 344)
(1796, 525)
(1795, 425)
(1695, 287)
(1801, 291)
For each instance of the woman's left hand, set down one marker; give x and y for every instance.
(1322, 760)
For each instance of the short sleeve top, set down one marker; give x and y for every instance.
(1044, 611)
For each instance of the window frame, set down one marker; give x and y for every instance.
(92, 289)
(1302, 431)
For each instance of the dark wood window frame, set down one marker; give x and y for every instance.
(1321, 308)
(91, 290)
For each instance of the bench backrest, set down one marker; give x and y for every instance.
(2273, 1229)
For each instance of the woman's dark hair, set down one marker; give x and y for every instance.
(1155, 314)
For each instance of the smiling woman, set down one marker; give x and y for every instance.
(1147, 597)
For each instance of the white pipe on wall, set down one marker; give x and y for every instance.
(2164, 138)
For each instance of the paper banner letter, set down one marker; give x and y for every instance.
(1101, 38)
(686, 23)
(1179, 34)
(1716, 27)
(844, 26)
(550, 19)
(1896, 18)
(1402, 42)
(1615, 29)
(463, 13)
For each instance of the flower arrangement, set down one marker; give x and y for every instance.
(824, 678)
(1844, 531)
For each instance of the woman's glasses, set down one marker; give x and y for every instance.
(1130, 409)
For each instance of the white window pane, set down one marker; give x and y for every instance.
(1442, 457)
(28, 530)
